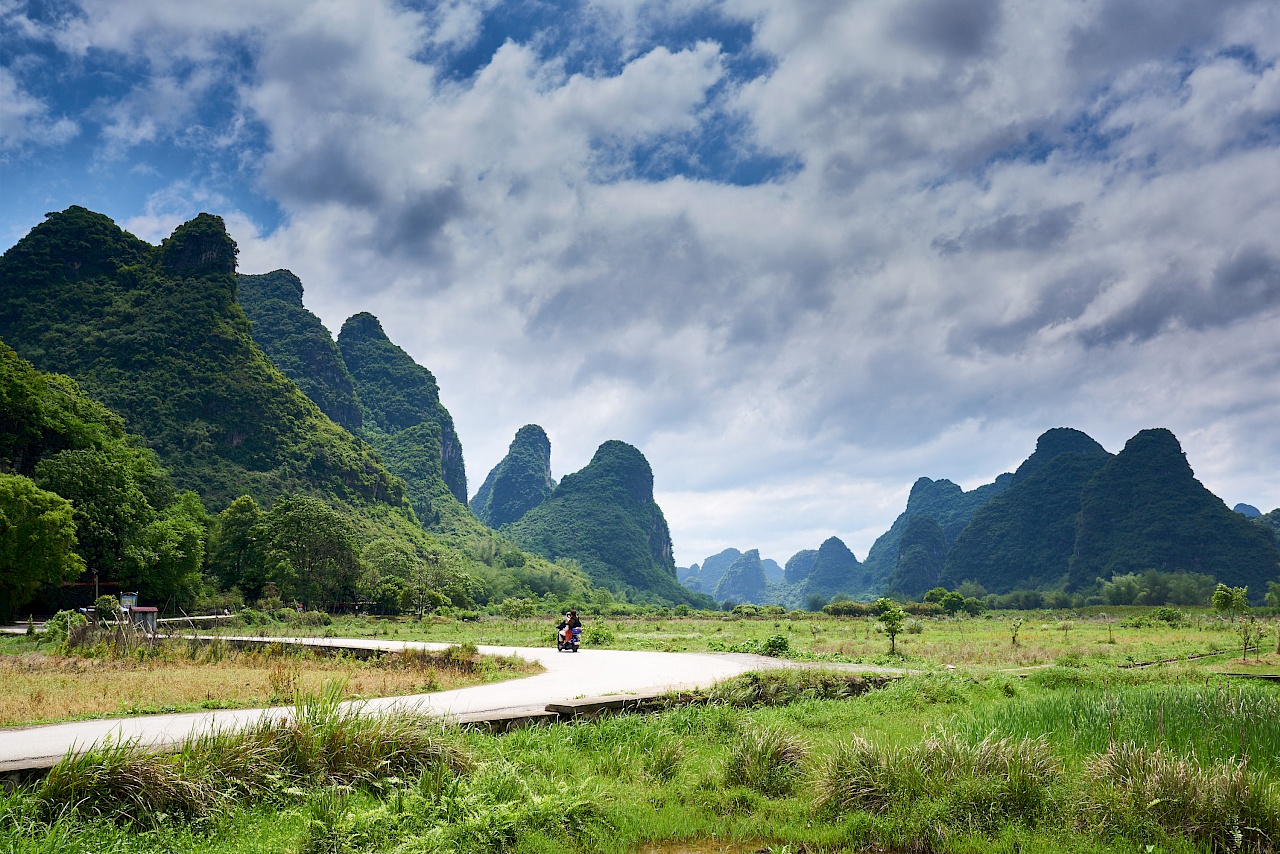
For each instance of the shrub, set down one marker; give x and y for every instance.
(766, 759)
(57, 629)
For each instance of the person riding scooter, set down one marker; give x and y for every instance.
(565, 630)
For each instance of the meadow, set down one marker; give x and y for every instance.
(1056, 743)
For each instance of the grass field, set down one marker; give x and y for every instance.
(37, 686)
(1055, 744)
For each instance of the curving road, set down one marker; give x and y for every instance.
(589, 673)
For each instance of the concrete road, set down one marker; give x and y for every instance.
(588, 673)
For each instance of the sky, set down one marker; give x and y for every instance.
(799, 252)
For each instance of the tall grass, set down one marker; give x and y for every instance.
(1211, 723)
(974, 787)
(767, 759)
(320, 744)
(1224, 806)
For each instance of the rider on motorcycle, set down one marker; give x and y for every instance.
(568, 624)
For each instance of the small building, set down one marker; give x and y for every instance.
(144, 616)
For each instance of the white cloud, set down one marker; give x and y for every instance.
(1029, 217)
(26, 120)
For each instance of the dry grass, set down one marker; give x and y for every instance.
(39, 688)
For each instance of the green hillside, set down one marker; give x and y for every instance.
(155, 334)
(520, 482)
(406, 422)
(921, 554)
(1144, 509)
(80, 499)
(299, 345)
(799, 565)
(835, 570)
(604, 517)
(1023, 539)
(949, 505)
(744, 580)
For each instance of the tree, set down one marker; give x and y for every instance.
(1273, 594)
(236, 556)
(952, 603)
(311, 551)
(1232, 601)
(110, 509)
(37, 542)
(167, 555)
(892, 617)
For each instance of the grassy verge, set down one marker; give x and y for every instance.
(178, 676)
(935, 762)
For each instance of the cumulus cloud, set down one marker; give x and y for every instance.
(26, 120)
(968, 221)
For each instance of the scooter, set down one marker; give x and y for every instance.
(570, 643)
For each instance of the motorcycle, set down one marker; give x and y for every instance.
(568, 640)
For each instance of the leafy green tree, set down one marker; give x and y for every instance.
(437, 580)
(110, 510)
(168, 554)
(893, 618)
(311, 551)
(37, 542)
(935, 595)
(1232, 601)
(236, 554)
(952, 603)
(1273, 594)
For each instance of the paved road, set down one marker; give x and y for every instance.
(588, 673)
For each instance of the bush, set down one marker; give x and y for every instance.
(598, 634)
(58, 628)
(847, 609)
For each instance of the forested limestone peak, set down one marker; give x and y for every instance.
(1144, 509)
(604, 517)
(1248, 511)
(280, 285)
(200, 247)
(1059, 440)
(618, 467)
(799, 565)
(835, 570)
(744, 580)
(519, 482)
(398, 394)
(299, 344)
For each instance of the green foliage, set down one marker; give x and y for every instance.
(1024, 538)
(798, 567)
(311, 552)
(58, 628)
(398, 394)
(297, 343)
(1145, 509)
(766, 759)
(921, 554)
(946, 502)
(604, 517)
(520, 482)
(1231, 601)
(835, 570)
(37, 542)
(744, 580)
(892, 617)
(155, 334)
(236, 557)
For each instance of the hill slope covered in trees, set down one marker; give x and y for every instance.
(519, 482)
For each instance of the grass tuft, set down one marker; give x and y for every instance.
(766, 759)
(1132, 789)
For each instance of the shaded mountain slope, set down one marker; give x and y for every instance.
(1144, 509)
(835, 570)
(744, 580)
(156, 334)
(604, 517)
(299, 345)
(519, 482)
